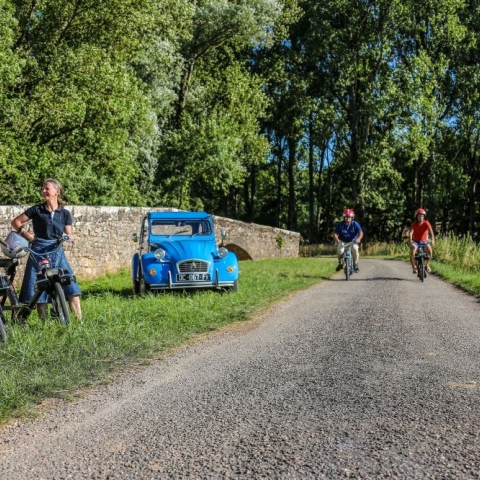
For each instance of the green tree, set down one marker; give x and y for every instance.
(431, 36)
(212, 138)
(10, 73)
(82, 111)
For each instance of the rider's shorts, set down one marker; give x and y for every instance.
(419, 244)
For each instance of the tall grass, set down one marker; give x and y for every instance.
(44, 359)
(318, 250)
(371, 249)
(461, 252)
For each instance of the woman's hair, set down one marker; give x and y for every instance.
(58, 187)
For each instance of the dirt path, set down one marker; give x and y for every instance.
(370, 378)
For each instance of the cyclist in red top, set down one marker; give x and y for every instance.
(420, 231)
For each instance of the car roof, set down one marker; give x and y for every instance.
(177, 215)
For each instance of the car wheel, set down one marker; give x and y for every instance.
(136, 287)
(143, 286)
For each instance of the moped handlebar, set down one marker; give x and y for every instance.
(65, 238)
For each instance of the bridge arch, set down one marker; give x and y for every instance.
(256, 241)
(238, 251)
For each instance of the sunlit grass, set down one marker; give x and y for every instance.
(460, 277)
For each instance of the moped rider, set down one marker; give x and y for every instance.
(50, 221)
(345, 232)
(420, 231)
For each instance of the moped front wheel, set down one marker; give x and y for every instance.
(59, 304)
(347, 269)
(3, 327)
(421, 269)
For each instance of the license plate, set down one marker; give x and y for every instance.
(193, 277)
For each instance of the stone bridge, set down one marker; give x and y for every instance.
(104, 237)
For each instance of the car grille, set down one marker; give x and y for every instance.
(190, 266)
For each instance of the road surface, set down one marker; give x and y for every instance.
(372, 378)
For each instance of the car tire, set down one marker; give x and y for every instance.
(143, 286)
(136, 287)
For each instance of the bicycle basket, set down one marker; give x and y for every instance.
(14, 241)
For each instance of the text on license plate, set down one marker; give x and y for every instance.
(193, 277)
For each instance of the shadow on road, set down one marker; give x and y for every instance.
(374, 279)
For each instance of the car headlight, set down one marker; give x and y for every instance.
(159, 253)
(222, 252)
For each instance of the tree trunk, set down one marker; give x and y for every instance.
(279, 190)
(312, 230)
(292, 207)
(249, 188)
(320, 192)
(183, 90)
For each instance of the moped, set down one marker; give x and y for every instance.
(7, 291)
(348, 261)
(421, 256)
(50, 279)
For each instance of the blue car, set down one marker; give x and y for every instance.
(178, 250)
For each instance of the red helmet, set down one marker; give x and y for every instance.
(420, 211)
(349, 213)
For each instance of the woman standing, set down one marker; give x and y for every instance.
(50, 221)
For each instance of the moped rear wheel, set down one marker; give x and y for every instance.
(59, 304)
(3, 327)
(15, 306)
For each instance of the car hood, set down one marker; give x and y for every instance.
(186, 249)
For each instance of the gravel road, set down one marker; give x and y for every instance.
(377, 377)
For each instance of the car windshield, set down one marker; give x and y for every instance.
(180, 227)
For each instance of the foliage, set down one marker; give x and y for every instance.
(282, 112)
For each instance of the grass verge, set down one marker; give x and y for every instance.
(45, 360)
(461, 277)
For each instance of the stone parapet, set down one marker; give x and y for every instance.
(104, 237)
